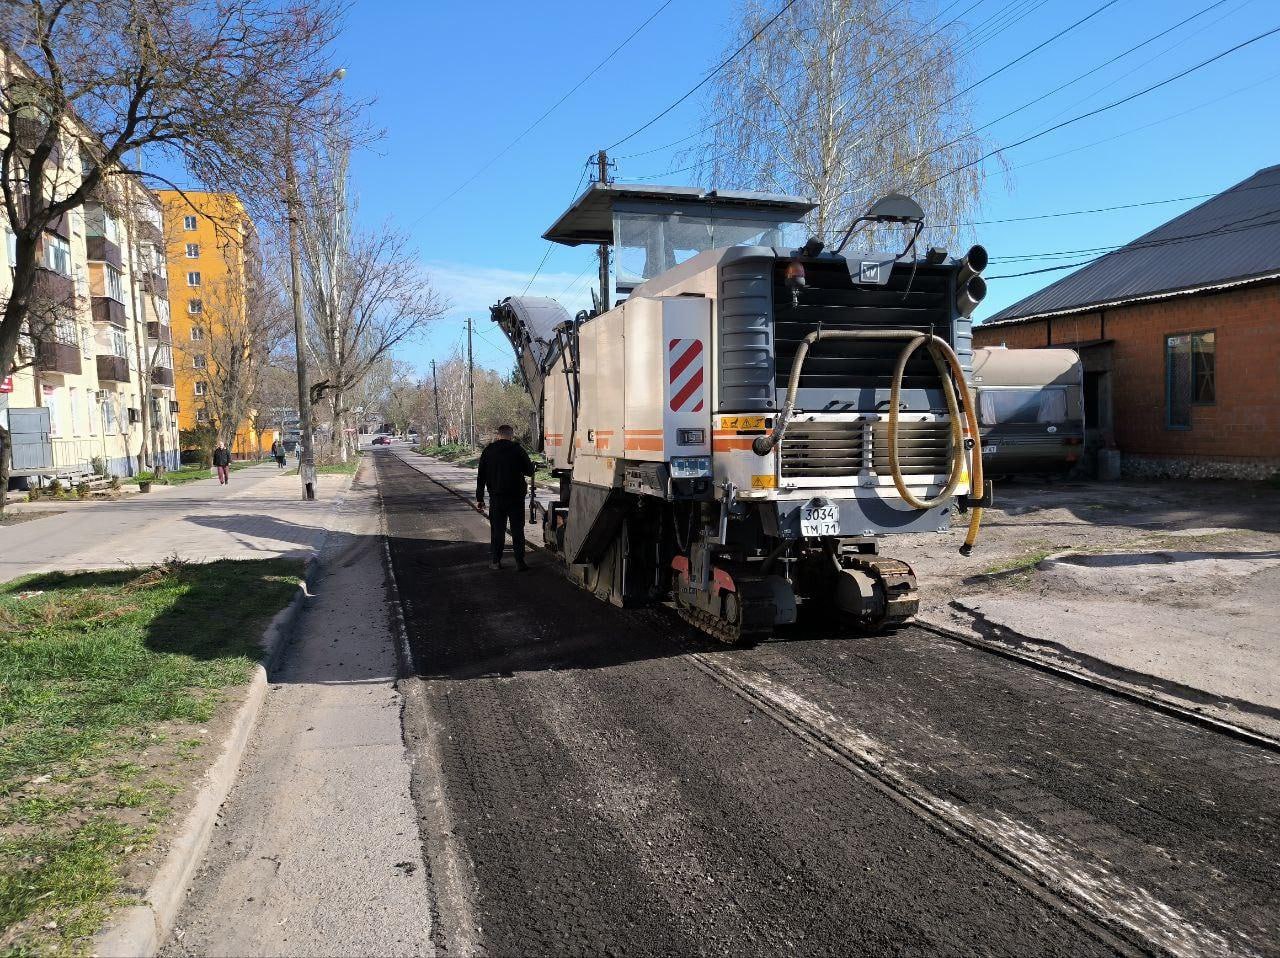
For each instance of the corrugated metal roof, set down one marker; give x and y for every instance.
(1231, 238)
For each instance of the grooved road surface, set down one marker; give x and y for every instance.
(596, 780)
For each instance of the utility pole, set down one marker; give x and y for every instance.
(435, 391)
(471, 383)
(602, 176)
(307, 460)
(293, 207)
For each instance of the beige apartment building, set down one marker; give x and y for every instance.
(84, 385)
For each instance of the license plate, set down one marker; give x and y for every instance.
(819, 517)
(988, 450)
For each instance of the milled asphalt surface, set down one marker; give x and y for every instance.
(316, 850)
(559, 776)
(605, 797)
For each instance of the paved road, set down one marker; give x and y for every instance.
(558, 776)
(258, 515)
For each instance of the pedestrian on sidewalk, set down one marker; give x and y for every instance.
(503, 467)
(221, 460)
(280, 453)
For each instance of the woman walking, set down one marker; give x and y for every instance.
(279, 452)
(221, 460)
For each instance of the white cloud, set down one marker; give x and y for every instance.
(473, 289)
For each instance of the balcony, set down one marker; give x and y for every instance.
(53, 288)
(31, 130)
(56, 357)
(108, 310)
(113, 369)
(148, 231)
(154, 284)
(102, 250)
(159, 332)
(161, 376)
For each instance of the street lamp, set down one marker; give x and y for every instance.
(293, 201)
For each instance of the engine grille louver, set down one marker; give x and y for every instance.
(847, 449)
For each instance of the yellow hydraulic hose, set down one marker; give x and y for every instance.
(949, 372)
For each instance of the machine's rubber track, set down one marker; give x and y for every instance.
(756, 614)
(898, 581)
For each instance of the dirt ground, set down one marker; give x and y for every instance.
(1179, 582)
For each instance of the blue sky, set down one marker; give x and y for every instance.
(454, 83)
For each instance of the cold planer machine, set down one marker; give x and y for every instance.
(752, 420)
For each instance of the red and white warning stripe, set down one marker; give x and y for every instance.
(685, 375)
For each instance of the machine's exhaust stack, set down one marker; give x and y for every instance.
(971, 288)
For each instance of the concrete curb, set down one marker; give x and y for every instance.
(139, 930)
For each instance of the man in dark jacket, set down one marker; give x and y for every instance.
(221, 460)
(503, 467)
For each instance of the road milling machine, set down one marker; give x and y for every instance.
(756, 416)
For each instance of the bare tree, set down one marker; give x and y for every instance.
(242, 322)
(451, 382)
(843, 101)
(206, 83)
(365, 291)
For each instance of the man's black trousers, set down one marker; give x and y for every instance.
(506, 511)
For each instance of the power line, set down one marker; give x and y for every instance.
(1234, 226)
(701, 83)
(1100, 209)
(1062, 86)
(992, 32)
(711, 126)
(547, 252)
(1110, 106)
(875, 71)
(551, 109)
(1145, 126)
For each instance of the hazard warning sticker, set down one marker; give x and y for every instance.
(685, 375)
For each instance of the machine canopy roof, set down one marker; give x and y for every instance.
(590, 219)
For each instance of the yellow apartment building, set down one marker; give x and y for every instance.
(208, 240)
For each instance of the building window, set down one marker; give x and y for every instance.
(57, 254)
(1189, 375)
(193, 279)
(193, 251)
(201, 387)
(119, 344)
(197, 334)
(195, 306)
(199, 361)
(115, 283)
(188, 223)
(101, 223)
(202, 415)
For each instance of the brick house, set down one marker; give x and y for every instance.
(1179, 332)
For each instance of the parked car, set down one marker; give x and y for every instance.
(381, 441)
(1030, 410)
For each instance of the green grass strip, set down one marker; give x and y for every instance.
(100, 673)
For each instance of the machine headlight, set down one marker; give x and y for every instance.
(690, 467)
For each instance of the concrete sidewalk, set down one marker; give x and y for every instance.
(259, 515)
(317, 849)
